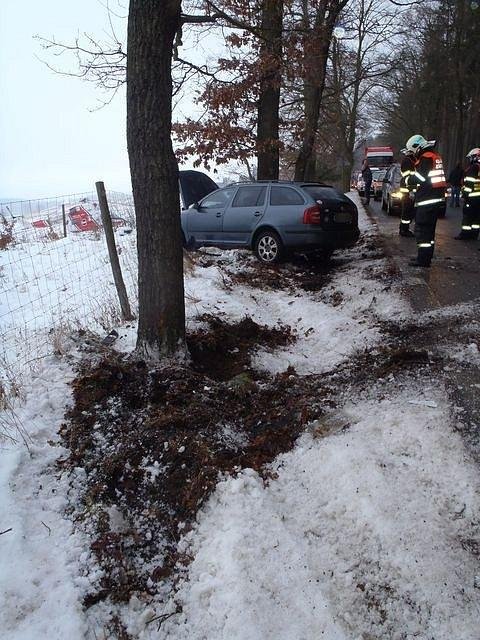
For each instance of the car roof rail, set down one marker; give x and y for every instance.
(300, 182)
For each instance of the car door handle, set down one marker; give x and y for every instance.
(219, 214)
(257, 213)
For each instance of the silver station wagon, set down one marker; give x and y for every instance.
(273, 218)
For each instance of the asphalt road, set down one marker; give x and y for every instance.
(454, 275)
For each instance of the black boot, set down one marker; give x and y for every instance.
(415, 263)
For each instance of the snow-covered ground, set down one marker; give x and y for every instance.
(366, 531)
(358, 537)
(48, 287)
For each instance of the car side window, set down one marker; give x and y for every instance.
(285, 196)
(249, 197)
(218, 198)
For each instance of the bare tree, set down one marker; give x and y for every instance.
(435, 88)
(316, 24)
(359, 61)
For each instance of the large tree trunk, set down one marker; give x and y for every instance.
(316, 44)
(305, 165)
(161, 314)
(268, 152)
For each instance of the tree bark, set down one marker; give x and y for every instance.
(316, 44)
(152, 27)
(268, 151)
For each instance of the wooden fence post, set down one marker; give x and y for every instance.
(112, 252)
(64, 219)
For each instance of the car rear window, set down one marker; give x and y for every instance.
(285, 195)
(324, 193)
(249, 197)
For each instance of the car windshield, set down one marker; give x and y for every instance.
(379, 175)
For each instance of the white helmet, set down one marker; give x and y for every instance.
(417, 143)
(474, 155)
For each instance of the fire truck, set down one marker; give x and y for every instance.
(379, 157)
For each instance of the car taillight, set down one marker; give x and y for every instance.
(312, 215)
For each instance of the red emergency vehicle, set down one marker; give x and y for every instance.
(379, 157)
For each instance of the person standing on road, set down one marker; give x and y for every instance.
(471, 196)
(430, 183)
(455, 180)
(367, 179)
(407, 169)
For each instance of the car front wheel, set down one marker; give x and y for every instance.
(268, 247)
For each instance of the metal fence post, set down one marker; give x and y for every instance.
(112, 252)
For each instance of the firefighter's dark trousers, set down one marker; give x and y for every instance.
(425, 223)
(407, 214)
(471, 219)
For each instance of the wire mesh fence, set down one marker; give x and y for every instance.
(55, 273)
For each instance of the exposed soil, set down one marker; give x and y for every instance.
(224, 350)
(310, 273)
(153, 443)
(307, 272)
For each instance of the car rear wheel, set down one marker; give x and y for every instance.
(268, 247)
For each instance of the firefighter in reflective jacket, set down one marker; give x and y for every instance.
(471, 198)
(407, 169)
(429, 181)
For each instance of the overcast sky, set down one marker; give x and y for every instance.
(53, 141)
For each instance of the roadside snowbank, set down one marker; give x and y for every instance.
(40, 578)
(364, 534)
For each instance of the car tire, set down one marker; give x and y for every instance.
(190, 245)
(323, 256)
(268, 247)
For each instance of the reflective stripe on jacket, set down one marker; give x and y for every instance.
(407, 169)
(471, 183)
(430, 178)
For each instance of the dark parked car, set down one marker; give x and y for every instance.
(392, 197)
(391, 194)
(377, 182)
(376, 186)
(272, 219)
